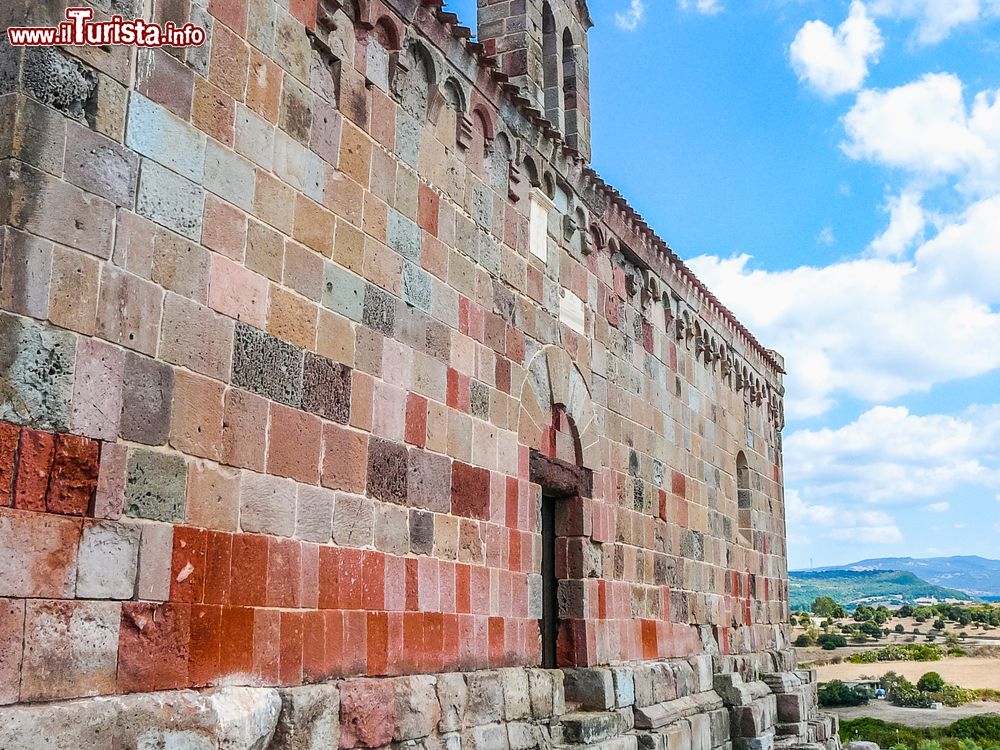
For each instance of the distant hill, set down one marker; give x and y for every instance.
(854, 587)
(974, 575)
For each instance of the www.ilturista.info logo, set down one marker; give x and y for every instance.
(79, 30)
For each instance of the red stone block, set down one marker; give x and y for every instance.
(294, 444)
(428, 206)
(450, 638)
(463, 590)
(305, 11)
(466, 642)
(458, 394)
(309, 558)
(501, 374)
(206, 641)
(165, 80)
(266, 645)
(345, 458)
(290, 650)
(233, 13)
(395, 583)
(496, 636)
(329, 566)
(413, 642)
(367, 713)
(373, 582)
(416, 420)
(153, 647)
(187, 567)
(355, 642)
(11, 648)
(446, 586)
(649, 645)
(677, 483)
(314, 663)
(248, 577)
(470, 491)
(10, 436)
(236, 647)
(334, 623)
(38, 554)
(75, 468)
(412, 585)
(284, 573)
(428, 585)
(480, 590)
(34, 467)
(350, 578)
(218, 564)
(378, 643)
(433, 652)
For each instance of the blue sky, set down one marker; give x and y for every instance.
(831, 169)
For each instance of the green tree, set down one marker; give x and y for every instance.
(931, 682)
(825, 606)
(900, 628)
(939, 624)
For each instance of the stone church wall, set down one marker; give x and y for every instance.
(294, 326)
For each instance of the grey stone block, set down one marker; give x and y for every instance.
(309, 718)
(485, 699)
(403, 236)
(36, 368)
(163, 137)
(379, 310)
(169, 199)
(109, 552)
(155, 485)
(147, 394)
(229, 176)
(452, 695)
(417, 709)
(417, 287)
(624, 681)
(592, 688)
(343, 292)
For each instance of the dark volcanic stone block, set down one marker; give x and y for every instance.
(267, 366)
(326, 388)
(387, 469)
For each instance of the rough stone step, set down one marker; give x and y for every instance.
(623, 742)
(591, 727)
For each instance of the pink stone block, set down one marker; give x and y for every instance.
(237, 292)
(109, 502)
(97, 389)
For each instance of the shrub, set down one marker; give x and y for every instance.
(836, 693)
(931, 682)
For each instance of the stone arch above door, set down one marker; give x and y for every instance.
(554, 389)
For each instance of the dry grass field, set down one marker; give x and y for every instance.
(965, 672)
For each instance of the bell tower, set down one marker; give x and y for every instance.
(542, 46)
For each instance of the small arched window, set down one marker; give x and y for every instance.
(569, 87)
(744, 500)
(551, 85)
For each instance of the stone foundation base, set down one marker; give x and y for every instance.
(669, 705)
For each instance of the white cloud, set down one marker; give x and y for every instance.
(836, 61)
(826, 236)
(906, 226)
(870, 329)
(926, 128)
(840, 523)
(890, 456)
(705, 7)
(629, 20)
(936, 19)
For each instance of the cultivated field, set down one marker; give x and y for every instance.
(968, 673)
